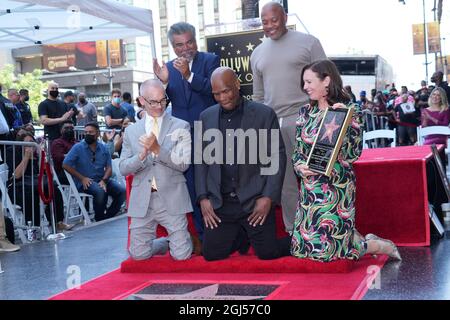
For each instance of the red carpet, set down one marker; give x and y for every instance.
(235, 264)
(300, 286)
(391, 196)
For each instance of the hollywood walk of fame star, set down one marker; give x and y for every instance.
(250, 46)
(330, 128)
(207, 293)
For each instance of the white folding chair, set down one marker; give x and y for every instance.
(79, 198)
(423, 132)
(443, 130)
(13, 211)
(379, 134)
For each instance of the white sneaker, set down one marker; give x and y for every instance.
(6, 246)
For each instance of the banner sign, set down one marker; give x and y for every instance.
(81, 55)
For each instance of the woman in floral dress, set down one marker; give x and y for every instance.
(324, 227)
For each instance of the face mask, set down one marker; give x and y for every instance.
(375, 101)
(54, 93)
(69, 134)
(82, 100)
(90, 139)
(26, 98)
(116, 100)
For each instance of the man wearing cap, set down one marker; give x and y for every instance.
(69, 99)
(24, 107)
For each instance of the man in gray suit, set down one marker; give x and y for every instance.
(239, 183)
(157, 150)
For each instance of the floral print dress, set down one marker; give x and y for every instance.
(324, 227)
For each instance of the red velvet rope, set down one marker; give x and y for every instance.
(45, 169)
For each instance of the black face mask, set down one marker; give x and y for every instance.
(90, 139)
(69, 134)
(82, 101)
(54, 93)
(27, 98)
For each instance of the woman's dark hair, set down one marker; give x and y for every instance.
(326, 68)
(21, 137)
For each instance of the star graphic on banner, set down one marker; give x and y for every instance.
(207, 293)
(223, 48)
(238, 52)
(229, 53)
(232, 45)
(217, 44)
(330, 128)
(250, 46)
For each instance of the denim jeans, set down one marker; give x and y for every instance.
(113, 189)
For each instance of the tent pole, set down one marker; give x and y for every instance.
(110, 76)
(152, 43)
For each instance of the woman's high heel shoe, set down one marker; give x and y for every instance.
(394, 253)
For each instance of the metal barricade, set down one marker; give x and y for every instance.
(18, 185)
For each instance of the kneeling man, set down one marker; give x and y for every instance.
(239, 175)
(157, 150)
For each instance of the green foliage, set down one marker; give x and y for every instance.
(30, 81)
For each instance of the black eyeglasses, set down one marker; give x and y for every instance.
(153, 103)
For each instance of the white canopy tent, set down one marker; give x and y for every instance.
(39, 22)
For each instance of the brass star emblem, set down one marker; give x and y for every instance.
(330, 128)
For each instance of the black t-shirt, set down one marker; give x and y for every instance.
(115, 113)
(53, 110)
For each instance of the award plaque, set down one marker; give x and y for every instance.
(328, 142)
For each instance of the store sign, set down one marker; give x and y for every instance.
(82, 55)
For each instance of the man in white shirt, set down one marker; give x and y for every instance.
(156, 151)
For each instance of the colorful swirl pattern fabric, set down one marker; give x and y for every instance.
(324, 227)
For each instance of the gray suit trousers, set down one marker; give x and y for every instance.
(143, 242)
(290, 191)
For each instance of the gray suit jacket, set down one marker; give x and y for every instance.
(167, 168)
(252, 184)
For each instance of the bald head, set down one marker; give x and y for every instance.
(274, 19)
(273, 5)
(52, 86)
(52, 90)
(153, 97)
(224, 73)
(225, 87)
(151, 84)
